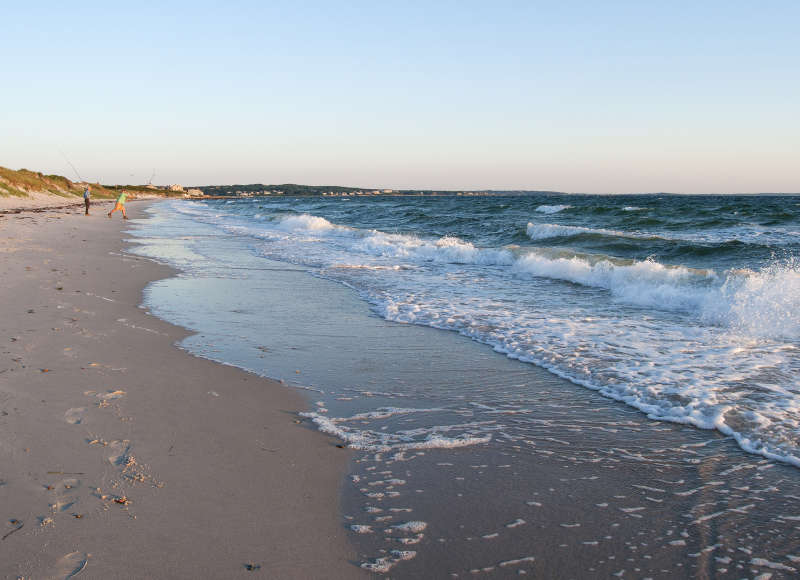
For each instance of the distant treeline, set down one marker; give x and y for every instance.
(295, 190)
(291, 189)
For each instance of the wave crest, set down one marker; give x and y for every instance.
(448, 249)
(545, 231)
(645, 283)
(305, 223)
(763, 303)
(552, 208)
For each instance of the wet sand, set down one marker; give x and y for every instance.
(122, 456)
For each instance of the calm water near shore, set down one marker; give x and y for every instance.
(477, 463)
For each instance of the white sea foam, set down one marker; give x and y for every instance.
(383, 441)
(413, 527)
(773, 565)
(410, 248)
(752, 234)
(763, 304)
(447, 249)
(545, 231)
(386, 412)
(760, 304)
(306, 223)
(386, 563)
(646, 283)
(517, 561)
(712, 348)
(766, 303)
(552, 208)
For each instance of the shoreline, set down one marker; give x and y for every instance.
(125, 456)
(38, 202)
(571, 483)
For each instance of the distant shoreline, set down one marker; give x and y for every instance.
(28, 189)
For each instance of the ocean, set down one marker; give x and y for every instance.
(479, 337)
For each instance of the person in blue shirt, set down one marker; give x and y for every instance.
(87, 193)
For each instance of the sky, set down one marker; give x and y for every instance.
(612, 96)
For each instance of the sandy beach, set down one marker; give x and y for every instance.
(404, 291)
(467, 462)
(122, 456)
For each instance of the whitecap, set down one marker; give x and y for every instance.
(552, 208)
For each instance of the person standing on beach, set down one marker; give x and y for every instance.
(120, 205)
(87, 193)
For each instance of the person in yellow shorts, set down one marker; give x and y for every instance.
(120, 205)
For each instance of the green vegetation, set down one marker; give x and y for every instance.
(295, 190)
(143, 190)
(23, 182)
(290, 189)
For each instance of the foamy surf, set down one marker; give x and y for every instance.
(444, 429)
(376, 440)
(539, 231)
(552, 208)
(706, 335)
(306, 223)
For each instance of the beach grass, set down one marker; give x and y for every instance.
(23, 183)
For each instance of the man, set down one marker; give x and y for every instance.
(120, 205)
(87, 192)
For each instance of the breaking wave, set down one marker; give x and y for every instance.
(552, 208)
(712, 342)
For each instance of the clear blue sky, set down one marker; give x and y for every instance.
(574, 96)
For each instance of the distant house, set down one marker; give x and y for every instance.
(194, 192)
(175, 187)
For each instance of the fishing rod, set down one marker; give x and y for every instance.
(71, 165)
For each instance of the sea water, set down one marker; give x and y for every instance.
(684, 308)
(687, 308)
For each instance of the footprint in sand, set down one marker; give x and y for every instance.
(68, 485)
(74, 416)
(62, 504)
(106, 398)
(69, 566)
(62, 494)
(12, 525)
(118, 452)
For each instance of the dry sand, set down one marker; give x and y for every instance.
(37, 201)
(122, 456)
